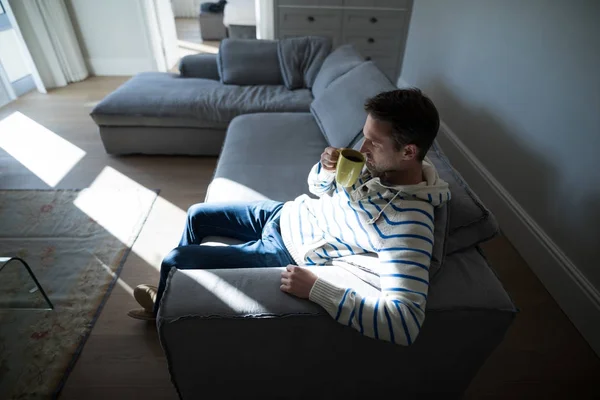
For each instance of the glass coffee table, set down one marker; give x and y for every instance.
(19, 287)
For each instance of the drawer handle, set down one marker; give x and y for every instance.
(371, 40)
(311, 19)
(368, 58)
(373, 20)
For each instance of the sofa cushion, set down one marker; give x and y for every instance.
(339, 111)
(337, 63)
(468, 282)
(470, 222)
(300, 59)
(267, 156)
(249, 62)
(199, 66)
(162, 99)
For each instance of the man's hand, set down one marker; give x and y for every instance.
(329, 158)
(297, 281)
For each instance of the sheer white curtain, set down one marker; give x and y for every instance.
(51, 39)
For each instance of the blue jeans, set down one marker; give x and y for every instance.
(255, 223)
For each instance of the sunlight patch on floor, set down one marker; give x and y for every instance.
(43, 152)
(116, 207)
(161, 230)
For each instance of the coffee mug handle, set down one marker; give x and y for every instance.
(339, 153)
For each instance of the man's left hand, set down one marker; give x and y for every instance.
(297, 281)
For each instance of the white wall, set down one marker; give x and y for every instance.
(519, 84)
(113, 35)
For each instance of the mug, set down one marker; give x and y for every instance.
(349, 166)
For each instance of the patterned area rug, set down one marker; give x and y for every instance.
(76, 242)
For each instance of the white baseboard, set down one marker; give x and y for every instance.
(119, 66)
(577, 297)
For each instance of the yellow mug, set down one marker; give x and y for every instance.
(349, 166)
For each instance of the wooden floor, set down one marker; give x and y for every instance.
(543, 355)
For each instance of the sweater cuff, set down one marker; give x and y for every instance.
(321, 171)
(326, 295)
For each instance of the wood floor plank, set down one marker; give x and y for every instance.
(543, 353)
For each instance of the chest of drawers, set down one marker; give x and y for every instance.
(377, 28)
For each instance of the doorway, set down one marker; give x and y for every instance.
(189, 34)
(14, 71)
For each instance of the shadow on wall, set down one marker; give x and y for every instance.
(570, 218)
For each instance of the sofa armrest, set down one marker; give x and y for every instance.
(233, 332)
(199, 66)
(242, 293)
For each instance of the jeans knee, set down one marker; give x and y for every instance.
(195, 209)
(171, 260)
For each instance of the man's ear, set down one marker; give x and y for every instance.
(410, 152)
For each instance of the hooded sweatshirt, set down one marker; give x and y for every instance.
(385, 229)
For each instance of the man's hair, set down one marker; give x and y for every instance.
(413, 117)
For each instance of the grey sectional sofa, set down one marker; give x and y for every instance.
(234, 334)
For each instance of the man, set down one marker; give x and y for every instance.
(388, 213)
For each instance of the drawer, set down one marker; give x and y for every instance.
(401, 4)
(374, 42)
(334, 35)
(309, 19)
(310, 2)
(385, 61)
(372, 20)
(380, 58)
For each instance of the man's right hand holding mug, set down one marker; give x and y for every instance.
(329, 158)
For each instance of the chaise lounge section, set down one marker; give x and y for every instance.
(188, 113)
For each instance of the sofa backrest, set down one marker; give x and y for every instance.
(469, 220)
(249, 62)
(339, 110)
(337, 63)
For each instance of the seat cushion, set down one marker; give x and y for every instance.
(470, 222)
(337, 63)
(467, 281)
(267, 156)
(164, 99)
(339, 111)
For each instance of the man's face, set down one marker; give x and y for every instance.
(379, 148)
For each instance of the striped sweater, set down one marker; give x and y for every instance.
(395, 223)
